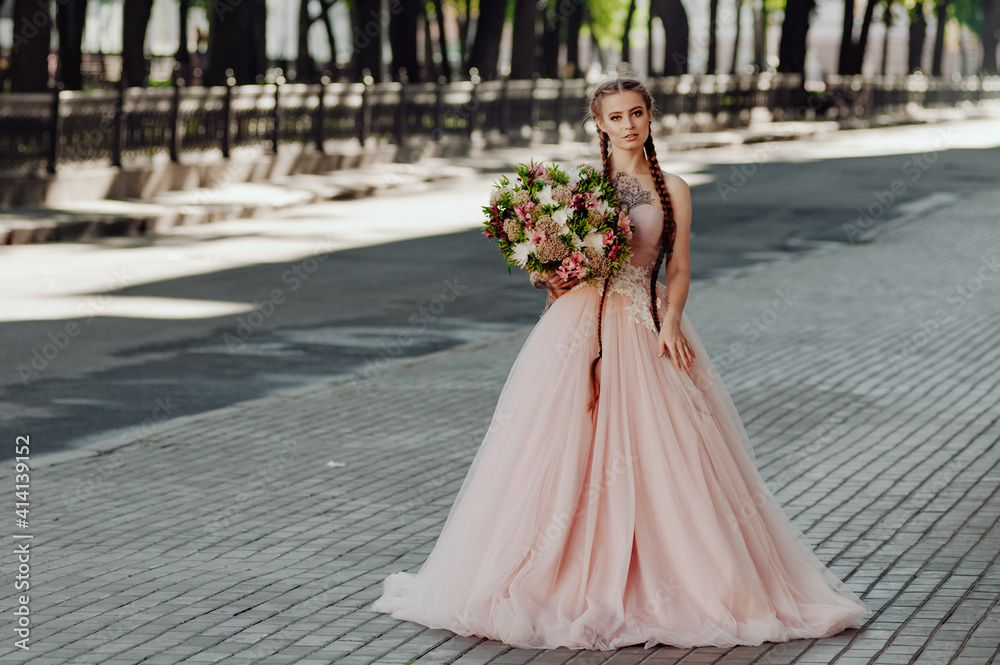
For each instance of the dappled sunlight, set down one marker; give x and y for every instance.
(104, 305)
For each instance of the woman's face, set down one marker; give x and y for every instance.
(625, 118)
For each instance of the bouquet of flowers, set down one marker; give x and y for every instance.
(550, 220)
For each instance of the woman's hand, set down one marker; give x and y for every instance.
(556, 284)
(671, 341)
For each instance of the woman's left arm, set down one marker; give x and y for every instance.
(678, 275)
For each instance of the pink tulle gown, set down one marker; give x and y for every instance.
(642, 521)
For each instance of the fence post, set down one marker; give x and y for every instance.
(277, 114)
(559, 110)
(320, 120)
(118, 130)
(175, 121)
(364, 127)
(400, 129)
(473, 122)
(55, 130)
(227, 114)
(504, 107)
(439, 108)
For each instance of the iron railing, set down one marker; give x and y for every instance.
(40, 132)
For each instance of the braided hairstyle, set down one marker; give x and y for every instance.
(624, 83)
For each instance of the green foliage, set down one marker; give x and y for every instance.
(607, 20)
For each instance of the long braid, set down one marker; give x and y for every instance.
(620, 84)
(594, 383)
(669, 225)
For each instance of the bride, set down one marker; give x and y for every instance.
(615, 498)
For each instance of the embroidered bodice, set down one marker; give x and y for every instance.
(647, 233)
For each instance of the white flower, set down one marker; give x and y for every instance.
(545, 196)
(561, 217)
(594, 240)
(603, 207)
(576, 241)
(520, 252)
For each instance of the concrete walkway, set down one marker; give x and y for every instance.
(261, 532)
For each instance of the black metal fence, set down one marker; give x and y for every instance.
(40, 132)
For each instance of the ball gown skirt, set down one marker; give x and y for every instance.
(641, 521)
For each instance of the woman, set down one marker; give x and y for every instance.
(617, 502)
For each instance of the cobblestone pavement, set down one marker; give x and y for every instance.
(261, 532)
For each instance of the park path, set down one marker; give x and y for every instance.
(868, 377)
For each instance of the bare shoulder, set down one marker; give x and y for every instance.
(676, 185)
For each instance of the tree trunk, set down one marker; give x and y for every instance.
(367, 37)
(675, 25)
(236, 41)
(135, 21)
(846, 39)
(574, 21)
(941, 12)
(403, 37)
(713, 26)
(464, 17)
(626, 44)
(183, 56)
(430, 71)
(522, 57)
(736, 39)
(887, 22)
(861, 46)
(486, 45)
(792, 49)
(328, 28)
(551, 40)
(70, 16)
(29, 53)
(759, 36)
(442, 39)
(918, 33)
(991, 26)
(305, 68)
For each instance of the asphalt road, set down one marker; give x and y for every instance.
(112, 336)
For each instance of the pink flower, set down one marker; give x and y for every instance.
(537, 236)
(524, 212)
(609, 237)
(625, 224)
(572, 266)
(537, 171)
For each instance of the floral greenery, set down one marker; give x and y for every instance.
(548, 220)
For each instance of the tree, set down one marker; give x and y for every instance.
(367, 31)
(135, 21)
(574, 21)
(675, 26)
(403, 37)
(305, 65)
(989, 35)
(887, 23)
(29, 52)
(551, 39)
(70, 17)
(486, 45)
(442, 39)
(713, 27)
(522, 58)
(736, 39)
(852, 53)
(941, 14)
(918, 34)
(792, 48)
(236, 41)
(626, 44)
